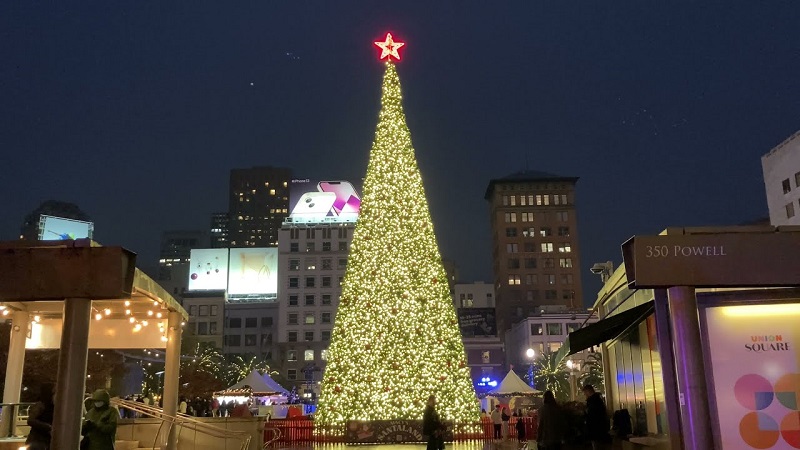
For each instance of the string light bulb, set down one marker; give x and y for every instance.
(150, 313)
(127, 303)
(37, 319)
(107, 311)
(132, 320)
(98, 316)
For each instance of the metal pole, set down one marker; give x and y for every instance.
(690, 369)
(14, 368)
(71, 381)
(172, 367)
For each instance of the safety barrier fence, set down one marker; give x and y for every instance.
(304, 431)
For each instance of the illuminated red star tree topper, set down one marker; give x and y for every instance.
(389, 48)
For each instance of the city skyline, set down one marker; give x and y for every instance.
(644, 108)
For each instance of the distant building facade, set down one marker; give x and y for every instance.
(312, 259)
(206, 318)
(174, 258)
(219, 230)
(257, 204)
(781, 168)
(477, 320)
(535, 254)
(29, 230)
(250, 329)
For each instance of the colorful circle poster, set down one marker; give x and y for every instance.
(754, 362)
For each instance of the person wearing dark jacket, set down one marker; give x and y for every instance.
(100, 424)
(551, 424)
(597, 423)
(40, 419)
(432, 426)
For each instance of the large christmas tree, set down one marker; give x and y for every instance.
(396, 338)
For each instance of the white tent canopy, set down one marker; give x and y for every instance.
(259, 383)
(512, 385)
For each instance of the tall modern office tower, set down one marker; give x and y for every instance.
(535, 244)
(258, 203)
(219, 230)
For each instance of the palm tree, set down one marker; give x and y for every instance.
(551, 374)
(204, 357)
(592, 372)
(239, 367)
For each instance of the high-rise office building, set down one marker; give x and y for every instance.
(312, 259)
(219, 230)
(258, 203)
(535, 250)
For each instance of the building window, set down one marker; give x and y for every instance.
(551, 279)
(797, 179)
(529, 247)
(214, 309)
(203, 310)
(292, 319)
(326, 282)
(294, 264)
(342, 233)
(789, 210)
(505, 200)
(554, 346)
(294, 233)
(513, 263)
(545, 231)
(342, 246)
(293, 300)
(309, 336)
(326, 233)
(554, 329)
(310, 247)
(310, 300)
(787, 187)
(250, 340)
(566, 278)
(291, 374)
(325, 336)
(527, 217)
(565, 263)
(266, 322)
(311, 264)
(212, 327)
(294, 282)
(532, 296)
(573, 326)
(193, 310)
(308, 355)
(202, 328)
(309, 318)
(565, 248)
(514, 280)
(291, 336)
(326, 317)
(550, 294)
(311, 282)
(311, 233)
(266, 339)
(486, 357)
(234, 340)
(530, 263)
(294, 247)
(529, 232)
(563, 199)
(326, 299)
(341, 263)
(563, 231)
(291, 355)
(562, 216)
(547, 247)
(251, 322)
(323, 354)
(568, 295)
(549, 263)
(513, 200)
(235, 322)
(326, 246)
(511, 248)
(511, 232)
(536, 329)
(531, 278)
(327, 264)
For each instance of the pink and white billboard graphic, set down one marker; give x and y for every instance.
(312, 201)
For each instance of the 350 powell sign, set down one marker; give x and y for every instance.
(743, 259)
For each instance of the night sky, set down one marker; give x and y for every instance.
(136, 111)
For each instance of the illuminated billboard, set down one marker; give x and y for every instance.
(209, 269)
(53, 228)
(253, 271)
(312, 201)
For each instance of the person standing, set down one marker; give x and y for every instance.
(551, 424)
(214, 407)
(506, 417)
(100, 423)
(432, 426)
(183, 406)
(40, 419)
(497, 421)
(597, 423)
(520, 425)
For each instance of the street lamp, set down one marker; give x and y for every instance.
(530, 353)
(574, 369)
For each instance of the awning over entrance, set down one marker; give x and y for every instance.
(605, 330)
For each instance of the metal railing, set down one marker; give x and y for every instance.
(11, 414)
(182, 421)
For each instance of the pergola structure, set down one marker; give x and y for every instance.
(77, 295)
